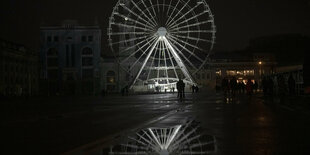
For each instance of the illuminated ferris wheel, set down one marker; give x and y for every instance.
(160, 41)
(186, 139)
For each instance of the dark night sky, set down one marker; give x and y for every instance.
(237, 20)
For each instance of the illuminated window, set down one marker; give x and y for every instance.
(111, 77)
(231, 72)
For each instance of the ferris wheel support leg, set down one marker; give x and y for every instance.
(144, 63)
(179, 61)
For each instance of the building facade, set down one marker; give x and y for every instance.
(19, 70)
(70, 57)
(242, 66)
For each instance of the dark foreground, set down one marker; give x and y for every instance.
(92, 125)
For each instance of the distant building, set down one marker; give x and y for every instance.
(242, 66)
(70, 56)
(18, 70)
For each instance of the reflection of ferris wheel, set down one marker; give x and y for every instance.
(184, 139)
(160, 41)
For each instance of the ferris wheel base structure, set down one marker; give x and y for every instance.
(159, 42)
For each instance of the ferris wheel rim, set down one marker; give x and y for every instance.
(176, 38)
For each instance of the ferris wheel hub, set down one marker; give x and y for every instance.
(162, 31)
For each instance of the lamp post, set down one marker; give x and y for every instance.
(260, 67)
(260, 71)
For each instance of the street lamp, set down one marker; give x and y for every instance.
(260, 67)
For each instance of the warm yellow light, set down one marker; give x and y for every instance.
(260, 63)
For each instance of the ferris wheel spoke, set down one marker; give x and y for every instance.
(152, 6)
(172, 19)
(145, 61)
(192, 53)
(139, 49)
(131, 47)
(185, 137)
(180, 52)
(169, 6)
(124, 33)
(170, 57)
(191, 25)
(158, 6)
(129, 40)
(195, 145)
(138, 141)
(164, 5)
(193, 38)
(130, 19)
(153, 146)
(179, 60)
(171, 26)
(134, 64)
(189, 11)
(132, 26)
(139, 17)
(174, 8)
(193, 31)
(155, 24)
(158, 66)
(190, 140)
(134, 146)
(151, 139)
(152, 63)
(165, 60)
(147, 9)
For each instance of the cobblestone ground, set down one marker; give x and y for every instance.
(241, 125)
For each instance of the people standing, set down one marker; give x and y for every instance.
(196, 89)
(179, 88)
(183, 88)
(233, 86)
(193, 88)
(291, 85)
(249, 87)
(225, 85)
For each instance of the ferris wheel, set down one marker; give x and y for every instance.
(160, 41)
(185, 139)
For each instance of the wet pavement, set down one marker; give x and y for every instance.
(203, 123)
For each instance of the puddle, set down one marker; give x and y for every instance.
(186, 138)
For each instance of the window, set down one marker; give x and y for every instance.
(52, 73)
(67, 55)
(87, 73)
(197, 76)
(203, 76)
(49, 38)
(52, 62)
(87, 51)
(56, 38)
(83, 38)
(208, 75)
(69, 38)
(52, 52)
(90, 38)
(87, 61)
(72, 55)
